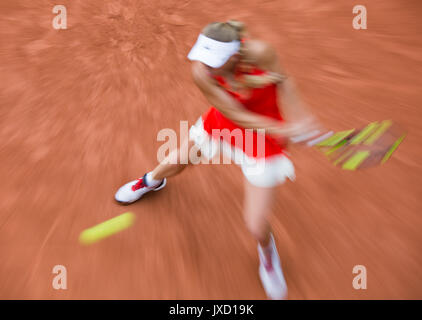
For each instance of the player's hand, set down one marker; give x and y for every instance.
(301, 131)
(310, 133)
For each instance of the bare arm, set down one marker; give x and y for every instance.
(294, 108)
(232, 109)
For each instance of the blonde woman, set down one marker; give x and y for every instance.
(243, 81)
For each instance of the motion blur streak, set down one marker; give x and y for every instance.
(79, 113)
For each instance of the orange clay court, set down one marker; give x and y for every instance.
(80, 110)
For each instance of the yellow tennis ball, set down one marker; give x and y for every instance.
(107, 228)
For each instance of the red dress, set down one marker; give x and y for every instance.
(263, 101)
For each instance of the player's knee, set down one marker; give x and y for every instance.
(177, 157)
(172, 158)
(189, 153)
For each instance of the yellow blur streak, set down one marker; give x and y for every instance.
(107, 228)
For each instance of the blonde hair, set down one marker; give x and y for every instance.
(233, 30)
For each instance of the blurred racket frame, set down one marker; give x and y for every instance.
(359, 149)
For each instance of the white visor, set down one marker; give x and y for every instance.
(212, 52)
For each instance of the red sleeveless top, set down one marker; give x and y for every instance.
(263, 100)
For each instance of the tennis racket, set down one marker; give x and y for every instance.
(367, 147)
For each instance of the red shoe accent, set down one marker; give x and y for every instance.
(267, 261)
(140, 184)
(268, 267)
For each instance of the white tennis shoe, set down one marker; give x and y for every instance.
(271, 275)
(134, 190)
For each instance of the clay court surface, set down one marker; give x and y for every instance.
(80, 110)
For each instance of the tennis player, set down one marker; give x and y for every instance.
(251, 97)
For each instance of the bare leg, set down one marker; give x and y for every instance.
(257, 208)
(174, 163)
